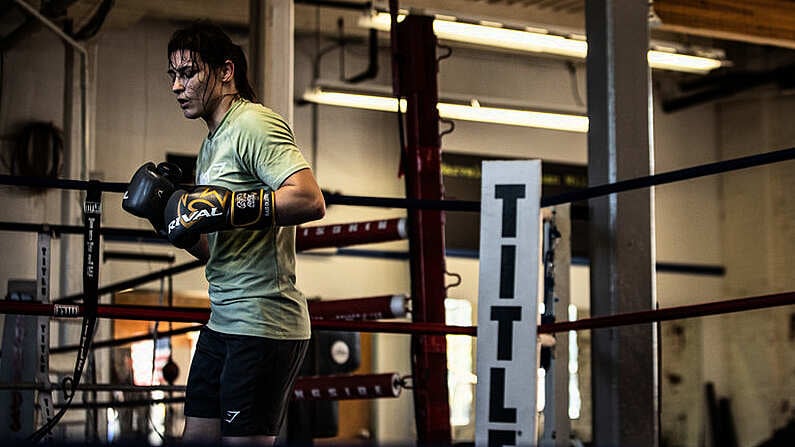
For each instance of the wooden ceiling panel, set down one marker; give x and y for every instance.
(767, 22)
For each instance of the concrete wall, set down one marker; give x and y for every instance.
(137, 120)
(759, 359)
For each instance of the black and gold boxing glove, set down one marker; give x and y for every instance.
(149, 190)
(206, 209)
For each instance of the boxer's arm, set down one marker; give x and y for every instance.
(299, 199)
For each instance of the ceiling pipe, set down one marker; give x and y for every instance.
(372, 68)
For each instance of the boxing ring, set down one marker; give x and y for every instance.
(508, 337)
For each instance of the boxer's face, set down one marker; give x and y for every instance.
(192, 82)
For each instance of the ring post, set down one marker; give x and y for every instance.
(507, 351)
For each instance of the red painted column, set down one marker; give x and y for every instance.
(417, 67)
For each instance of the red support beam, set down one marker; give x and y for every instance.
(417, 67)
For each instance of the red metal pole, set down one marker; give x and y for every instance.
(417, 68)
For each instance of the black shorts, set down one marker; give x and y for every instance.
(244, 381)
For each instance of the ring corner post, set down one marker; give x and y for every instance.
(416, 68)
(508, 294)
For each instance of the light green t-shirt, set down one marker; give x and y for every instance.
(252, 272)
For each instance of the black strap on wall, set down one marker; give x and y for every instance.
(91, 221)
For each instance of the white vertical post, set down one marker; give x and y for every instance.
(273, 56)
(557, 426)
(507, 355)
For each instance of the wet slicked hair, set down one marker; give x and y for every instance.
(214, 47)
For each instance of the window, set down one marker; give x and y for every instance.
(460, 378)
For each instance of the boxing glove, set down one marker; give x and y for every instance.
(206, 209)
(148, 192)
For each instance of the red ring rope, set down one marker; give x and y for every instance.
(192, 315)
(341, 235)
(385, 306)
(374, 308)
(345, 387)
(332, 387)
(672, 313)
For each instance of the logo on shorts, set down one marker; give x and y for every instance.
(231, 415)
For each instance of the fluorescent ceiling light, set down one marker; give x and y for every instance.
(473, 112)
(537, 41)
(682, 62)
(354, 100)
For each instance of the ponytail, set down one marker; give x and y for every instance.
(244, 88)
